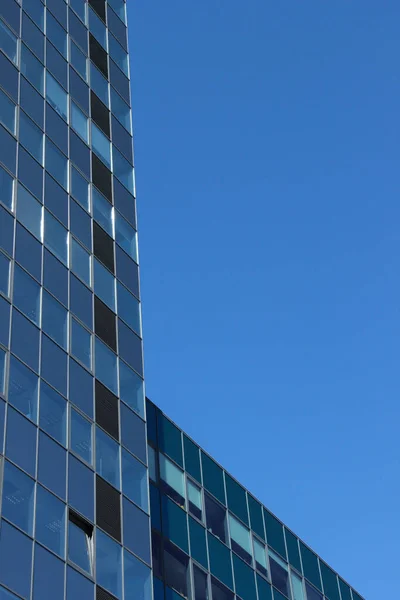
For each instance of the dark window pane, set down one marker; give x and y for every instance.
(78, 31)
(30, 173)
(81, 488)
(244, 580)
(81, 388)
(220, 592)
(198, 548)
(6, 231)
(4, 322)
(78, 586)
(215, 518)
(279, 575)
(310, 565)
(54, 365)
(103, 247)
(57, 65)
(100, 7)
(122, 140)
(52, 413)
(23, 389)
(107, 410)
(55, 277)
(170, 439)
(236, 496)
(119, 81)
(220, 560)
(79, 90)
(50, 521)
(55, 197)
(312, 593)
(274, 531)
(213, 478)
(176, 571)
(11, 12)
(101, 177)
(98, 55)
(329, 579)
(28, 252)
(124, 202)
(100, 114)
(117, 27)
(293, 550)
(81, 301)
(136, 531)
(59, 10)
(54, 319)
(80, 224)
(256, 518)
(80, 154)
(133, 434)
(174, 523)
(104, 323)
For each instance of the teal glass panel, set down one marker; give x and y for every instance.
(192, 458)
(264, 589)
(344, 590)
(356, 596)
(198, 547)
(151, 416)
(297, 587)
(245, 583)
(220, 560)
(274, 531)
(155, 508)
(172, 480)
(240, 539)
(213, 477)
(256, 518)
(310, 565)
(330, 583)
(170, 439)
(236, 497)
(278, 595)
(293, 550)
(174, 524)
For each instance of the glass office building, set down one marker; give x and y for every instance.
(73, 461)
(212, 540)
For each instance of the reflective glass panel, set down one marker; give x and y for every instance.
(56, 96)
(78, 60)
(56, 164)
(81, 487)
(31, 137)
(52, 465)
(18, 497)
(8, 43)
(26, 295)
(52, 413)
(21, 441)
(29, 212)
(131, 388)
(104, 284)
(103, 212)
(15, 560)
(7, 112)
(32, 69)
(134, 480)
(54, 319)
(108, 564)
(80, 261)
(50, 521)
(6, 189)
(107, 458)
(101, 145)
(106, 366)
(81, 436)
(79, 547)
(79, 188)
(23, 389)
(79, 121)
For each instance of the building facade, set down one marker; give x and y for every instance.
(212, 540)
(74, 483)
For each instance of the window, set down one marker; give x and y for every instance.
(297, 587)
(77, 31)
(129, 308)
(8, 150)
(18, 497)
(99, 84)
(5, 322)
(200, 584)
(80, 262)
(137, 578)
(8, 43)
(123, 171)
(7, 112)
(56, 164)
(136, 530)
(219, 591)
(81, 388)
(121, 110)
(56, 64)
(55, 277)
(133, 433)
(118, 54)
(50, 521)
(15, 560)
(54, 365)
(81, 436)
(52, 465)
(213, 477)
(57, 131)
(56, 96)
(195, 501)
(108, 564)
(35, 10)
(176, 571)
(2, 370)
(21, 441)
(29, 212)
(81, 301)
(52, 418)
(279, 573)
(119, 8)
(131, 388)
(172, 480)
(104, 284)
(103, 212)
(152, 463)
(106, 366)
(260, 557)
(130, 347)
(79, 188)
(240, 539)
(100, 114)
(26, 295)
(79, 121)
(78, 60)
(78, 586)
(31, 137)
(48, 575)
(134, 480)
(32, 37)
(101, 145)
(23, 389)
(97, 28)
(54, 319)
(312, 593)
(236, 496)
(28, 253)
(79, 7)
(6, 189)
(56, 34)
(107, 458)
(81, 487)
(4, 274)
(215, 518)
(80, 542)
(25, 340)
(32, 69)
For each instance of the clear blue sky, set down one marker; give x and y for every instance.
(267, 156)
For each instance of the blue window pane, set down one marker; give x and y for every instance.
(133, 433)
(2, 371)
(56, 64)
(56, 34)
(125, 236)
(15, 560)
(30, 173)
(104, 284)
(81, 488)
(8, 150)
(99, 84)
(6, 231)
(80, 261)
(55, 237)
(21, 441)
(4, 274)
(56, 164)
(79, 547)
(130, 347)
(78, 60)
(81, 301)
(7, 112)
(55, 198)
(78, 586)
(57, 96)
(6, 189)
(106, 366)
(131, 388)
(33, 37)
(81, 388)
(29, 212)
(26, 296)
(32, 102)
(4, 322)
(52, 413)
(137, 578)
(6, 595)
(55, 277)
(31, 137)
(134, 480)
(8, 43)
(23, 389)
(25, 340)
(136, 531)
(97, 28)
(50, 521)
(54, 319)
(101, 145)
(103, 212)
(79, 121)
(121, 110)
(18, 497)
(28, 252)
(119, 8)
(81, 344)
(52, 465)
(32, 69)
(118, 55)
(80, 224)
(128, 308)
(59, 10)
(108, 564)
(79, 188)
(107, 458)
(48, 575)
(123, 171)
(127, 271)
(54, 365)
(35, 10)
(81, 436)
(2, 420)
(124, 202)
(78, 90)
(79, 7)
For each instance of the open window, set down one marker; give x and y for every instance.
(260, 557)
(279, 574)
(176, 571)
(172, 480)
(215, 518)
(200, 584)
(80, 542)
(195, 500)
(240, 539)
